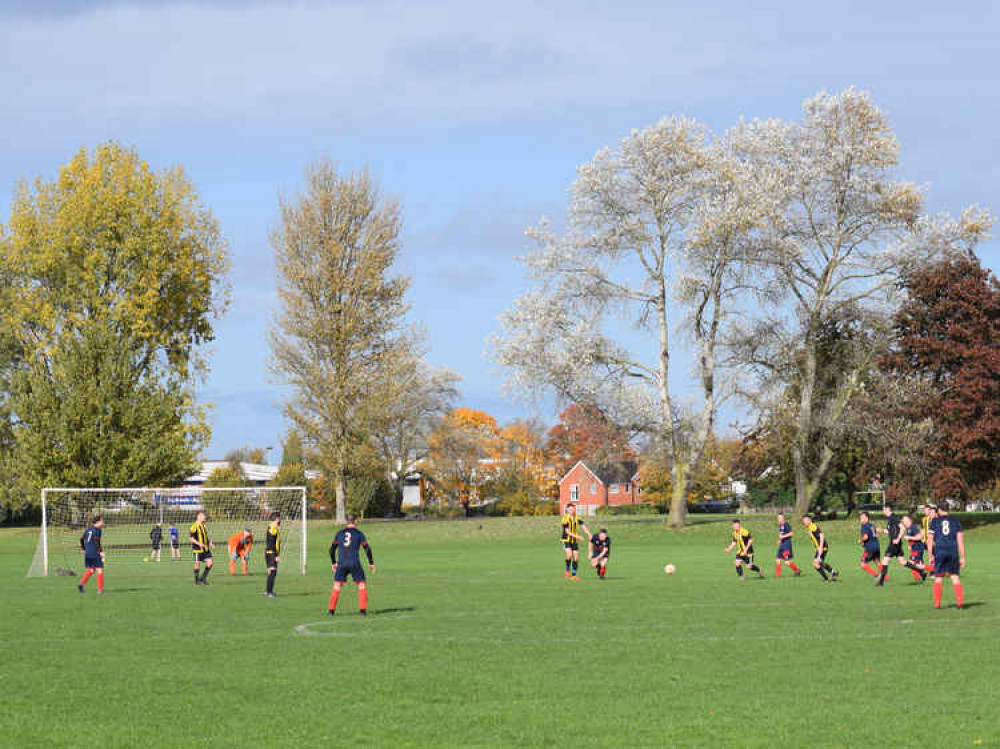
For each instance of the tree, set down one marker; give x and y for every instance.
(110, 278)
(341, 322)
(948, 336)
(841, 233)
(583, 433)
(663, 210)
(418, 398)
(465, 455)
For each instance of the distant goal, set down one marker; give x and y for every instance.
(131, 514)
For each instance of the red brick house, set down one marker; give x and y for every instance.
(589, 488)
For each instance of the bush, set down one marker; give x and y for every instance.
(611, 510)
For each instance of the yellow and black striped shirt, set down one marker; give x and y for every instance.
(925, 526)
(570, 525)
(273, 541)
(814, 534)
(744, 542)
(199, 533)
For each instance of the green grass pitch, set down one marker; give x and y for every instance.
(475, 639)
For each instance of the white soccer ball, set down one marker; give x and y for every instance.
(670, 569)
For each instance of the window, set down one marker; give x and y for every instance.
(574, 493)
(593, 488)
(613, 489)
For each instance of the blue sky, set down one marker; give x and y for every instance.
(474, 115)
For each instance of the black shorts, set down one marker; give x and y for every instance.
(745, 558)
(820, 555)
(606, 556)
(946, 564)
(174, 545)
(894, 550)
(571, 545)
(870, 555)
(156, 546)
(784, 550)
(202, 556)
(270, 560)
(92, 563)
(354, 570)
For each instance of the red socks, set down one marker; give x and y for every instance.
(244, 565)
(100, 581)
(795, 568)
(363, 599)
(333, 599)
(916, 575)
(937, 592)
(86, 577)
(870, 570)
(959, 594)
(777, 569)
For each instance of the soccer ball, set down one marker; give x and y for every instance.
(145, 559)
(670, 569)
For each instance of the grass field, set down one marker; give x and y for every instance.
(477, 640)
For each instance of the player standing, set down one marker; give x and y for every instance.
(272, 552)
(571, 538)
(743, 541)
(93, 554)
(201, 547)
(894, 549)
(822, 547)
(349, 540)
(915, 538)
(784, 555)
(947, 549)
(870, 551)
(175, 543)
(600, 552)
(239, 545)
(156, 538)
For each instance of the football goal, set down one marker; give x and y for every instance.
(134, 518)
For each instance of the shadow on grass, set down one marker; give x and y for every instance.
(973, 604)
(394, 610)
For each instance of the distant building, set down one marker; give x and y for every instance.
(257, 474)
(589, 488)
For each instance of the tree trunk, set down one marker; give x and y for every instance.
(678, 496)
(338, 486)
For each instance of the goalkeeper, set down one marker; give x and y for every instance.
(240, 544)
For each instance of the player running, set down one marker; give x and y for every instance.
(156, 539)
(349, 540)
(915, 538)
(175, 542)
(947, 549)
(571, 538)
(822, 547)
(93, 554)
(743, 542)
(894, 549)
(928, 513)
(600, 552)
(784, 555)
(272, 552)
(201, 547)
(870, 551)
(239, 545)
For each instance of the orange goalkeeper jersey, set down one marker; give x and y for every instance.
(240, 543)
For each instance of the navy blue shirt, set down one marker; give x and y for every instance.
(174, 533)
(945, 531)
(784, 528)
(90, 542)
(868, 537)
(913, 536)
(349, 541)
(600, 545)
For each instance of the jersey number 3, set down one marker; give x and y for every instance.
(347, 539)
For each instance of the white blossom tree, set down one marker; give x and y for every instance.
(662, 218)
(842, 232)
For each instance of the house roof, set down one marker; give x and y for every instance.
(620, 472)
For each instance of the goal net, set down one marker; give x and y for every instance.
(131, 515)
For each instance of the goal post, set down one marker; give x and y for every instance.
(132, 514)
